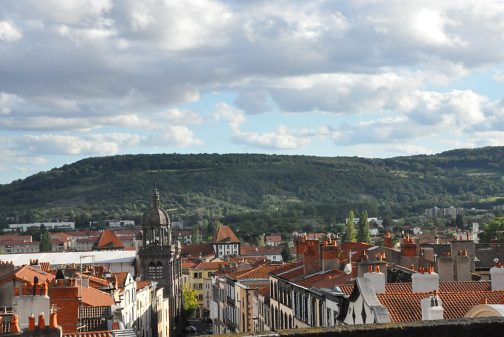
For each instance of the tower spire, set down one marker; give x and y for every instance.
(155, 198)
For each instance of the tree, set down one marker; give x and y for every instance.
(45, 239)
(459, 221)
(190, 297)
(493, 230)
(196, 234)
(350, 234)
(363, 235)
(286, 254)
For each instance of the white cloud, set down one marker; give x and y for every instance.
(9, 32)
(280, 139)
(93, 144)
(177, 135)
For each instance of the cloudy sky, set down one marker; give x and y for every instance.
(81, 78)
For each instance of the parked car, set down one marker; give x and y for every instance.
(209, 331)
(191, 330)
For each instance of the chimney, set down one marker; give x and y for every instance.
(409, 247)
(387, 241)
(312, 258)
(330, 255)
(32, 298)
(432, 308)
(53, 321)
(428, 254)
(497, 276)
(376, 278)
(41, 321)
(462, 267)
(425, 280)
(445, 268)
(31, 322)
(14, 324)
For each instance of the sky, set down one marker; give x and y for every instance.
(369, 78)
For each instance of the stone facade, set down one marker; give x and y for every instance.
(160, 259)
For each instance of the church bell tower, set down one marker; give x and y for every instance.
(160, 258)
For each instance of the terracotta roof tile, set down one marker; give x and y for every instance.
(249, 250)
(209, 265)
(108, 240)
(287, 267)
(197, 249)
(259, 272)
(142, 284)
(273, 238)
(406, 307)
(328, 279)
(120, 279)
(225, 234)
(94, 297)
(26, 274)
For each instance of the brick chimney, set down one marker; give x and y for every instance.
(497, 276)
(330, 255)
(376, 278)
(432, 308)
(409, 247)
(425, 280)
(312, 258)
(387, 241)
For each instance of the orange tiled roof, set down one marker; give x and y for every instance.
(96, 282)
(259, 272)
(209, 265)
(225, 234)
(142, 284)
(287, 267)
(26, 274)
(94, 297)
(106, 333)
(120, 279)
(249, 250)
(328, 279)
(109, 240)
(197, 249)
(406, 307)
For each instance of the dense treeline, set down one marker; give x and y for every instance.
(210, 185)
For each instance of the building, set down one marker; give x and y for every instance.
(225, 242)
(108, 241)
(198, 274)
(63, 225)
(159, 258)
(372, 300)
(14, 244)
(272, 253)
(273, 240)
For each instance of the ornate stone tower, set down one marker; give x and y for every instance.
(160, 259)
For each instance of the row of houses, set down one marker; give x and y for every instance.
(88, 299)
(355, 283)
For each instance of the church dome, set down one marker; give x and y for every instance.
(156, 216)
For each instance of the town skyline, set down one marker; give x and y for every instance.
(363, 78)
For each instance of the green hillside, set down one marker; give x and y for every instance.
(212, 185)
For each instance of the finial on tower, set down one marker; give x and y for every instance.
(155, 198)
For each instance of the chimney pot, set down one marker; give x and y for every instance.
(41, 321)
(31, 322)
(14, 324)
(53, 321)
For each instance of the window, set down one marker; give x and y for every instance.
(152, 271)
(159, 270)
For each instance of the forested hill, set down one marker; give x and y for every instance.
(213, 185)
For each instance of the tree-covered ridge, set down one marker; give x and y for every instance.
(214, 185)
